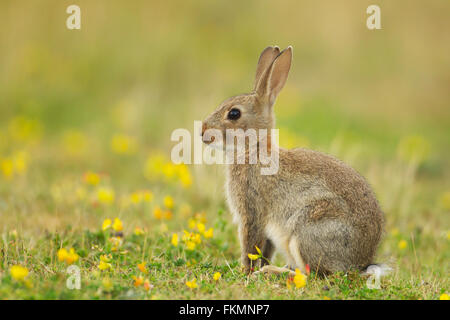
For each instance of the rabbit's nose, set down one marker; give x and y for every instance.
(203, 128)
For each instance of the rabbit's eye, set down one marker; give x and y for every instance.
(234, 114)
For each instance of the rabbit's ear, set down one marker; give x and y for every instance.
(265, 60)
(275, 77)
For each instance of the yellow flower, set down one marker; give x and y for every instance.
(67, 256)
(258, 250)
(7, 168)
(168, 202)
(147, 196)
(448, 235)
(20, 162)
(192, 224)
(196, 238)
(200, 227)
(174, 240)
(18, 273)
(209, 234)
(72, 256)
(105, 258)
(157, 213)
(217, 276)
(142, 268)
(192, 284)
(105, 195)
(167, 215)
(402, 244)
(62, 254)
(299, 279)
(200, 217)
(104, 265)
(104, 262)
(147, 285)
(138, 231)
(253, 256)
(117, 225)
(190, 245)
(136, 197)
(122, 144)
(326, 298)
(92, 178)
(106, 224)
(137, 281)
(444, 296)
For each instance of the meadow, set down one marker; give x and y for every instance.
(86, 115)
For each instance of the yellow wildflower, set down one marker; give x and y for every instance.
(299, 279)
(217, 276)
(147, 196)
(444, 296)
(117, 225)
(20, 162)
(402, 244)
(105, 195)
(122, 144)
(91, 178)
(67, 256)
(104, 265)
(157, 213)
(142, 268)
(326, 298)
(200, 227)
(192, 224)
(137, 281)
(253, 256)
(106, 224)
(167, 214)
(190, 245)
(174, 240)
(209, 234)
(147, 285)
(18, 272)
(168, 202)
(136, 197)
(192, 284)
(7, 168)
(138, 231)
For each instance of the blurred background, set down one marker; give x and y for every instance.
(86, 115)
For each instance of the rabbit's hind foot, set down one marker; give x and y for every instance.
(270, 269)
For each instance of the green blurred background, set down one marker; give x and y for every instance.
(107, 97)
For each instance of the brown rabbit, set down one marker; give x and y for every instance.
(316, 209)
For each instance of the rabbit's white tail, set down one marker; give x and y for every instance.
(379, 270)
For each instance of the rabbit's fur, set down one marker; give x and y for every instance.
(316, 209)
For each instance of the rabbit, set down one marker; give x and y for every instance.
(316, 210)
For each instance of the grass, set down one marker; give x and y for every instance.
(86, 118)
